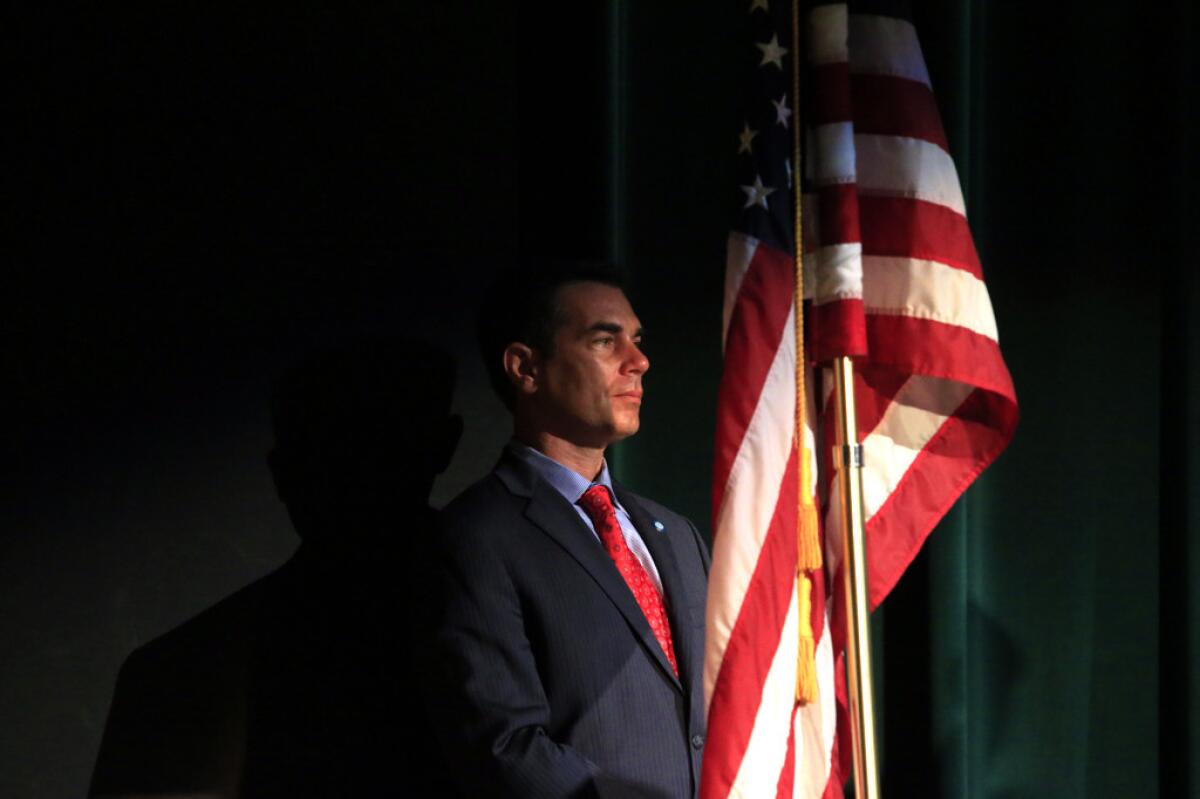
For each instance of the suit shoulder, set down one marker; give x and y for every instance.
(482, 505)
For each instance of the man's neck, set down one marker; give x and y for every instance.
(584, 461)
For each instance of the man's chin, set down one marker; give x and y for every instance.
(625, 430)
(607, 432)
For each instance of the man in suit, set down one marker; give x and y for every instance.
(570, 649)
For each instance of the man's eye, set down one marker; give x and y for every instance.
(605, 341)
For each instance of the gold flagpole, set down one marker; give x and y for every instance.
(854, 563)
(849, 467)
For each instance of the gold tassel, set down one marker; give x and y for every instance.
(808, 532)
(806, 663)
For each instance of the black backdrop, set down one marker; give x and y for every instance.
(200, 194)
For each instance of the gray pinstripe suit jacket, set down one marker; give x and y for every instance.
(551, 683)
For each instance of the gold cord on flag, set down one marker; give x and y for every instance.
(808, 539)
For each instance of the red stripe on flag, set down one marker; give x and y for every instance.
(841, 757)
(902, 226)
(874, 390)
(759, 315)
(836, 328)
(938, 349)
(952, 459)
(737, 691)
(837, 215)
(892, 106)
(837, 615)
(787, 775)
(877, 104)
(831, 87)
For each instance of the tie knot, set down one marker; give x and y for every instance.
(597, 503)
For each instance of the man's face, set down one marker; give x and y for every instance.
(590, 389)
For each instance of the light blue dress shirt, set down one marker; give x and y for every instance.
(572, 486)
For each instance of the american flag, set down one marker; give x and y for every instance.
(891, 277)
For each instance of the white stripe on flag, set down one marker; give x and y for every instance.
(918, 410)
(833, 144)
(927, 290)
(899, 166)
(838, 270)
(886, 46)
(827, 34)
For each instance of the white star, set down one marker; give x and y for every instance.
(782, 112)
(772, 52)
(746, 137)
(757, 4)
(757, 194)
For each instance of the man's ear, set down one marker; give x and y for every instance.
(521, 365)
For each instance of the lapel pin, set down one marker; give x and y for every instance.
(659, 525)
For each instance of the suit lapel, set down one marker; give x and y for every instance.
(686, 647)
(554, 516)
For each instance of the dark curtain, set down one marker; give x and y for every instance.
(1046, 643)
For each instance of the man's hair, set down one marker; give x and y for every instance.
(522, 305)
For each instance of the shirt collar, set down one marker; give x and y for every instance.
(567, 482)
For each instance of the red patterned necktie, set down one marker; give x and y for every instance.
(598, 505)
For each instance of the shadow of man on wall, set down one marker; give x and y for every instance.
(305, 683)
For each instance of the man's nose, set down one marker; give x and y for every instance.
(636, 360)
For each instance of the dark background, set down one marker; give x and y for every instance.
(199, 194)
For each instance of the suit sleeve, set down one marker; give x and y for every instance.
(490, 709)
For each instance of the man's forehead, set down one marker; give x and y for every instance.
(585, 303)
